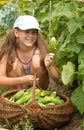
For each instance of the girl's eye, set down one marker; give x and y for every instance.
(26, 31)
(34, 32)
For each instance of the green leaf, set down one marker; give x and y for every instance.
(81, 56)
(81, 64)
(73, 25)
(68, 73)
(73, 47)
(66, 10)
(81, 68)
(83, 85)
(77, 99)
(80, 37)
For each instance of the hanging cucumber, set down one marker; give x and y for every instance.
(52, 44)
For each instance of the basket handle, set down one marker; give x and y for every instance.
(34, 88)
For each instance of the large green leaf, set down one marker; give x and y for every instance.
(77, 99)
(68, 73)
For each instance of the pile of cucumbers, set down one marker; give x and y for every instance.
(43, 98)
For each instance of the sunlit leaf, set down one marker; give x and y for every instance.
(68, 73)
(77, 99)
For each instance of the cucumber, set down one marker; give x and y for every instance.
(29, 89)
(45, 93)
(24, 99)
(38, 92)
(17, 95)
(44, 100)
(29, 101)
(41, 104)
(52, 44)
(50, 103)
(57, 101)
(53, 94)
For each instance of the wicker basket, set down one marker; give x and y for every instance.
(11, 111)
(48, 117)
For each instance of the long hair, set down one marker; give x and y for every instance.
(10, 45)
(42, 45)
(8, 48)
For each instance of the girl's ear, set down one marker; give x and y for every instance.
(15, 32)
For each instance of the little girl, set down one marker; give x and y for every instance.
(24, 54)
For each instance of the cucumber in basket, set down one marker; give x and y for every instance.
(43, 98)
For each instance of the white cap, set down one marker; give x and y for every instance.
(26, 22)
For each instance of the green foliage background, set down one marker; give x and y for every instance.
(64, 20)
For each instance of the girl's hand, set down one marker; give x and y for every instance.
(28, 79)
(49, 59)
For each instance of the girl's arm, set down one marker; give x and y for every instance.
(50, 66)
(53, 72)
(11, 81)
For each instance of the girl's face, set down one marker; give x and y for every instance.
(26, 37)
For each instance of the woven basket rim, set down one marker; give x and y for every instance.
(64, 97)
